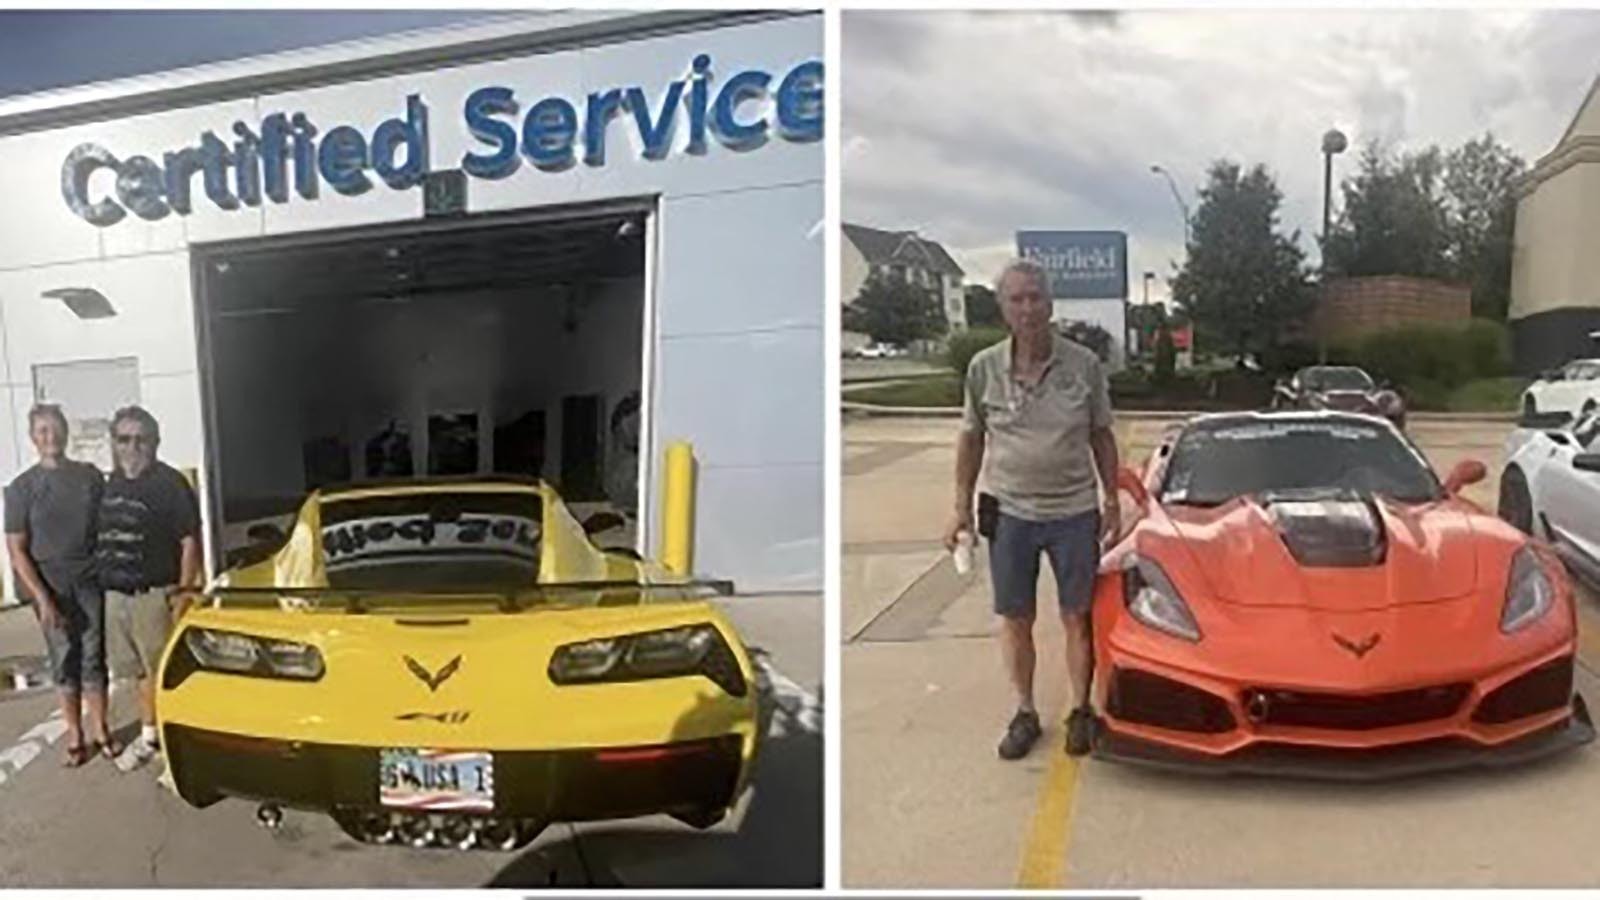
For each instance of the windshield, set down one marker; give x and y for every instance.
(1214, 462)
(1336, 379)
(436, 541)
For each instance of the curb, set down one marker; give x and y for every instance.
(954, 412)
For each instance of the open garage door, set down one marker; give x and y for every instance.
(469, 347)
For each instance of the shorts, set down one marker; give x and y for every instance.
(137, 627)
(77, 651)
(1073, 546)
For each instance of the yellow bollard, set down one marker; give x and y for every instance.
(677, 509)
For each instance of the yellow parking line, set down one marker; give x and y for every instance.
(1044, 853)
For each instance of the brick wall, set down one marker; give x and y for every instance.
(1349, 307)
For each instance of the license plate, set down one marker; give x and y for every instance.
(436, 780)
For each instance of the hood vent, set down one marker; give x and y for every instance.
(1328, 530)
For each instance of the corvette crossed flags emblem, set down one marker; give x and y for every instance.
(1359, 648)
(433, 679)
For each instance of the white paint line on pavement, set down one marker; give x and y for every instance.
(31, 745)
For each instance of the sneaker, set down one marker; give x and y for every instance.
(1021, 734)
(1080, 731)
(138, 752)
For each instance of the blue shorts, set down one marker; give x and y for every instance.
(77, 649)
(1073, 545)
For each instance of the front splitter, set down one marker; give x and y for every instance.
(1344, 764)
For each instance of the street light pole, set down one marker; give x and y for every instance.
(1178, 196)
(1333, 143)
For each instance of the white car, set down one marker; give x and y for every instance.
(1550, 488)
(1573, 389)
(882, 351)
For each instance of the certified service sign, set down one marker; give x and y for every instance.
(1083, 265)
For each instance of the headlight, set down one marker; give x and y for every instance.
(243, 654)
(1529, 592)
(670, 653)
(1153, 600)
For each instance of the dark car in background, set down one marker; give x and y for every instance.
(1342, 389)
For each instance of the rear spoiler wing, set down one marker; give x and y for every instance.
(353, 600)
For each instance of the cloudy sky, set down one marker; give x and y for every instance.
(45, 49)
(969, 126)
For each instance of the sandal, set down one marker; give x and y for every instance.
(77, 755)
(109, 748)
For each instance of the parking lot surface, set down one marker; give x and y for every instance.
(94, 827)
(926, 803)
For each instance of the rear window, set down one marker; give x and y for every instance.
(1214, 462)
(1336, 380)
(433, 542)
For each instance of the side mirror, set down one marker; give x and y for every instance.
(1586, 462)
(1128, 480)
(1467, 472)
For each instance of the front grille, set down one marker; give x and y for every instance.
(1539, 690)
(1147, 699)
(1352, 712)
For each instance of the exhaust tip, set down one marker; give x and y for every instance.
(269, 816)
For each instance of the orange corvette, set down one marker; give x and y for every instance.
(1299, 594)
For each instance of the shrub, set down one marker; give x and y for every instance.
(1089, 335)
(964, 346)
(1426, 357)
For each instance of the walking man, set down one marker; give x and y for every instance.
(1038, 426)
(149, 545)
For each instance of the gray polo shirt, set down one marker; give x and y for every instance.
(1038, 461)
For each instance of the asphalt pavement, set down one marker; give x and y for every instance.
(926, 804)
(96, 827)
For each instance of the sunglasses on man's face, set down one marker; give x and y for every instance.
(140, 439)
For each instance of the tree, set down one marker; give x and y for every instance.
(1482, 209)
(1243, 284)
(1432, 215)
(895, 311)
(1394, 220)
(982, 310)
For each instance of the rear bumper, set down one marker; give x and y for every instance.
(1348, 764)
(537, 785)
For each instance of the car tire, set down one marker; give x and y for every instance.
(1516, 503)
(1529, 407)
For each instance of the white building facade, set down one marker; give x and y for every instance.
(475, 244)
(1555, 275)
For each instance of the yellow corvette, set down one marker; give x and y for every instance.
(455, 664)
